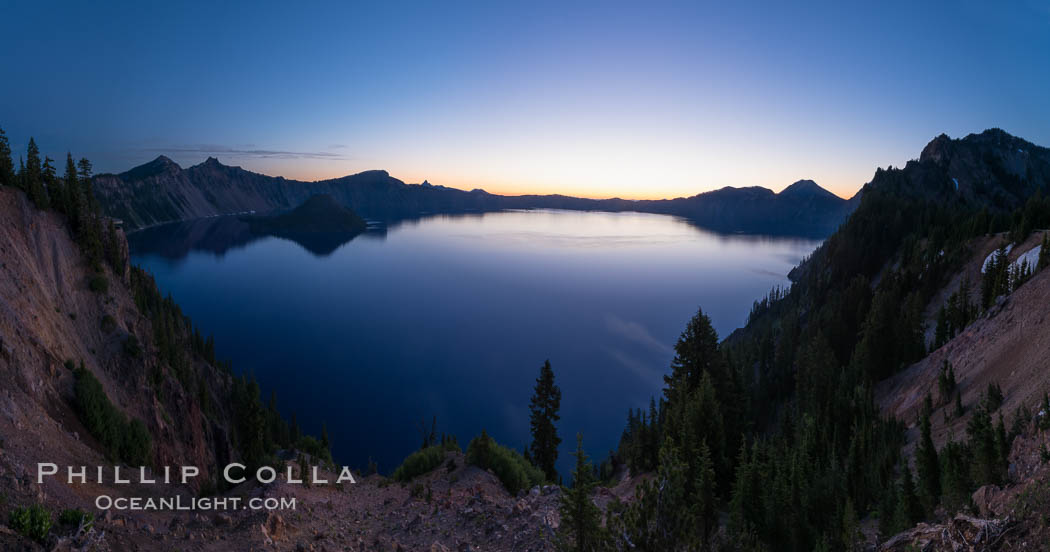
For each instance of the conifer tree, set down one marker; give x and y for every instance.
(928, 466)
(51, 185)
(71, 187)
(7, 166)
(663, 517)
(32, 176)
(705, 501)
(581, 529)
(543, 412)
(1044, 249)
(296, 434)
(696, 352)
(909, 510)
(84, 174)
(852, 538)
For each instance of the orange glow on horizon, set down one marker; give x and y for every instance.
(515, 187)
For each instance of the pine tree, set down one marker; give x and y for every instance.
(987, 465)
(696, 352)
(32, 176)
(84, 174)
(941, 332)
(663, 517)
(928, 466)
(51, 184)
(296, 433)
(71, 187)
(705, 502)
(1044, 249)
(908, 511)
(852, 538)
(7, 166)
(581, 529)
(543, 412)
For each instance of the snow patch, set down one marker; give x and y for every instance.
(956, 184)
(1032, 256)
(988, 259)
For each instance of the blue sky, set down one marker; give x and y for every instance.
(638, 99)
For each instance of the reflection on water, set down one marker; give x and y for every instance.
(453, 315)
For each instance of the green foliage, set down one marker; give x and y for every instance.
(581, 521)
(513, 470)
(128, 441)
(33, 522)
(314, 447)
(1044, 413)
(908, 510)
(543, 413)
(1044, 251)
(98, 283)
(956, 482)
(996, 278)
(420, 462)
(107, 324)
(928, 465)
(664, 516)
(954, 316)
(989, 461)
(32, 176)
(946, 383)
(132, 347)
(7, 167)
(993, 397)
(76, 517)
(639, 445)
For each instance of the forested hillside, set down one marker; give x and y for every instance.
(778, 424)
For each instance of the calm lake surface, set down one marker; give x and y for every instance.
(454, 315)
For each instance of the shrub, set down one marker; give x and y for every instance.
(98, 283)
(128, 441)
(75, 517)
(107, 324)
(419, 462)
(513, 470)
(132, 346)
(310, 445)
(33, 522)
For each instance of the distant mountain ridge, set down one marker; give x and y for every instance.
(161, 191)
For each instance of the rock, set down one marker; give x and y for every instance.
(983, 498)
(438, 547)
(273, 528)
(222, 520)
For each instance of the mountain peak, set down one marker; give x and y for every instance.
(161, 165)
(937, 150)
(806, 187)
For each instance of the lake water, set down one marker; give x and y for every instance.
(452, 316)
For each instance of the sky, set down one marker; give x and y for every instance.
(599, 99)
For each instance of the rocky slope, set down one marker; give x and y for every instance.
(160, 191)
(48, 314)
(1007, 346)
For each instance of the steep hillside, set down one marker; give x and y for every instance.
(49, 315)
(836, 368)
(161, 191)
(153, 368)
